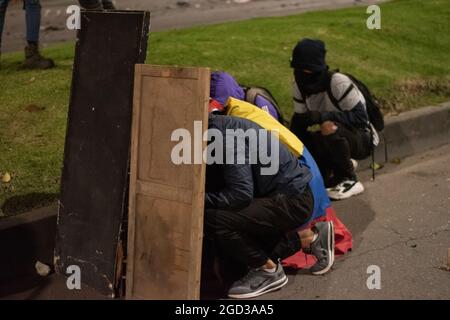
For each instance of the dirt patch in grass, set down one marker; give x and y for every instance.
(34, 108)
(411, 92)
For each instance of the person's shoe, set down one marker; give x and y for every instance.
(108, 5)
(345, 190)
(322, 248)
(34, 60)
(355, 164)
(257, 282)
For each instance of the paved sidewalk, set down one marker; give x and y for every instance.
(401, 224)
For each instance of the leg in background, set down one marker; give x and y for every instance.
(32, 20)
(33, 59)
(3, 6)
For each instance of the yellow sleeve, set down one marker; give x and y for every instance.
(242, 109)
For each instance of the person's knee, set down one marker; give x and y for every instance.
(331, 138)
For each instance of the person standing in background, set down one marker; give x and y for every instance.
(33, 58)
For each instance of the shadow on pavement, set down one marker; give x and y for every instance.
(357, 214)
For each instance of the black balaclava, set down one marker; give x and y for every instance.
(310, 69)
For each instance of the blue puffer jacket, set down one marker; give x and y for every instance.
(321, 200)
(235, 185)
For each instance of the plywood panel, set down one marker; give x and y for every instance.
(94, 183)
(166, 200)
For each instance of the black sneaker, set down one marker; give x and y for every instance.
(258, 282)
(322, 248)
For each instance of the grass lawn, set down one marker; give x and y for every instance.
(406, 64)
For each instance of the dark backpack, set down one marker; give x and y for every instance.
(373, 111)
(373, 108)
(252, 92)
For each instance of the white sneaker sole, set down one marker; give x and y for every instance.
(355, 190)
(331, 251)
(272, 287)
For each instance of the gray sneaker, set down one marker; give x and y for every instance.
(258, 282)
(322, 248)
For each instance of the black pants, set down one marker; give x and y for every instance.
(94, 3)
(333, 153)
(264, 229)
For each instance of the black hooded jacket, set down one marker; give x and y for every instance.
(312, 77)
(235, 185)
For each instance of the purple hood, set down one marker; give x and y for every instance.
(224, 86)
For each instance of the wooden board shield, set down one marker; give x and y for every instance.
(94, 183)
(166, 200)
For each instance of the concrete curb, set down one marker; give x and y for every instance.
(32, 234)
(413, 132)
(28, 217)
(24, 239)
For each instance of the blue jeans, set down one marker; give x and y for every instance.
(32, 18)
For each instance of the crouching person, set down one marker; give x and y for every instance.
(332, 101)
(252, 211)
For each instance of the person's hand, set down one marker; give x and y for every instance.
(328, 127)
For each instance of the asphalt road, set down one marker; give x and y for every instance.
(400, 224)
(166, 14)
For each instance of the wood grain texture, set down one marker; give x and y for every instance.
(448, 258)
(166, 201)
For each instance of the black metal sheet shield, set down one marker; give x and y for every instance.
(94, 183)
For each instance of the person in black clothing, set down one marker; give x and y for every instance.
(97, 4)
(253, 215)
(335, 134)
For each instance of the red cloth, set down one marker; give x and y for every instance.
(215, 105)
(343, 242)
